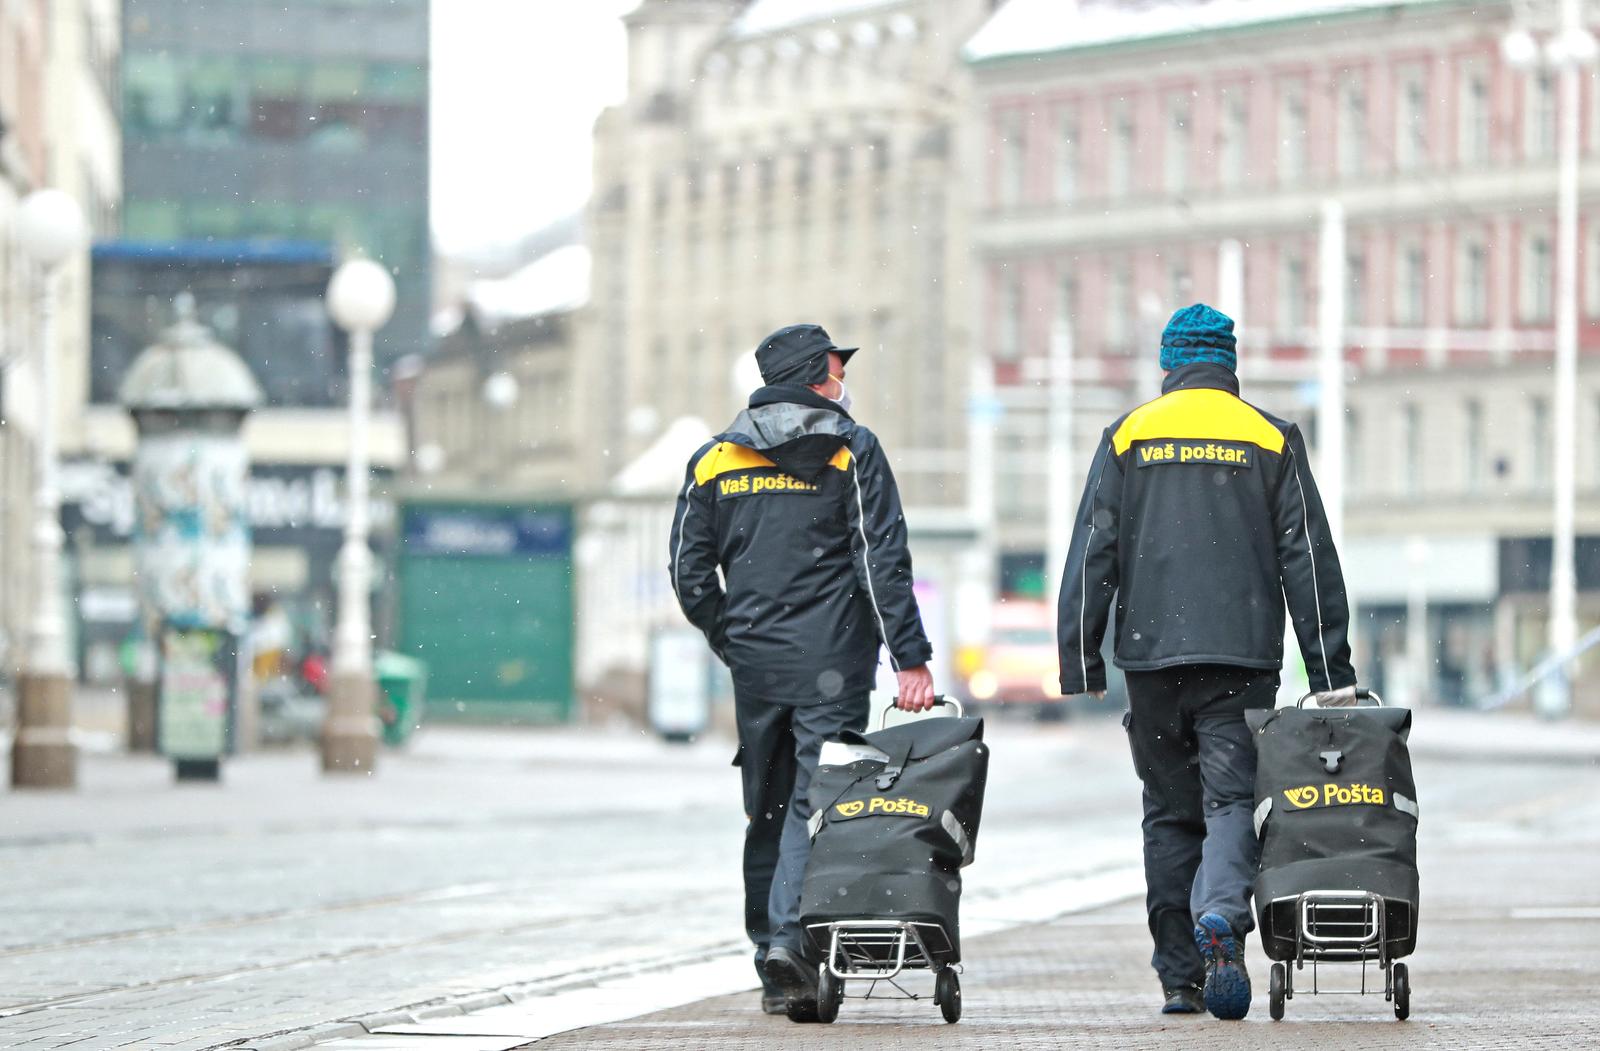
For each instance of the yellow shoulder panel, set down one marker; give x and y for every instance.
(724, 457)
(841, 459)
(1198, 413)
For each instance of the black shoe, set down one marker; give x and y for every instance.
(792, 974)
(1183, 1000)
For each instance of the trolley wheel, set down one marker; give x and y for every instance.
(947, 994)
(1401, 980)
(803, 1011)
(830, 994)
(1275, 990)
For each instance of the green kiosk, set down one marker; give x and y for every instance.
(486, 602)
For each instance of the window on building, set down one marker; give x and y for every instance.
(1411, 280)
(1291, 133)
(1067, 304)
(1352, 127)
(1411, 444)
(1539, 115)
(878, 151)
(1591, 269)
(1008, 343)
(1411, 120)
(1473, 455)
(1176, 154)
(1473, 115)
(1067, 157)
(1537, 273)
(841, 165)
(1119, 309)
(1354, 441)
(1119, 155)
(1180, 286)
(1472, 280)
(1540, 444)
(1233, 146)
(1594, 443)
(1291, 295)
(1012, 158)
(1355, 289)
(277, 100)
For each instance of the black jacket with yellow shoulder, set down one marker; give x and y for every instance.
(797, 507)
(1201, 518)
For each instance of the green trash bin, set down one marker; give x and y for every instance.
(402, 688)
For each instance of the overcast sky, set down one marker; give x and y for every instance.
(517, 85)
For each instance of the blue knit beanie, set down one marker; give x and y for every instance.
(1198, 333)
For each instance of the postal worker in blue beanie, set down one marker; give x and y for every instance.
(1201, 520)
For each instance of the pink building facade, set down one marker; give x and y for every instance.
(1114, 171)
(1116, 148)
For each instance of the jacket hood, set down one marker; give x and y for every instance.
(794, 427)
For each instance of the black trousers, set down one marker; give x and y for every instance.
(778, 747)
(1193, 753)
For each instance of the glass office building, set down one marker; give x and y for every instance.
(292, 120)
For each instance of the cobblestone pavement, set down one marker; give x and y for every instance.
(281, 907)
(143, 914)
(1509, 950)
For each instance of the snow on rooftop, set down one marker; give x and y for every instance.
(768, 16)
(1032, 27)
(554, 283)
(659, 469)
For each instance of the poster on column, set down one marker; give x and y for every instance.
(194, 706)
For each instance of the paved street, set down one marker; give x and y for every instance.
(581, 876)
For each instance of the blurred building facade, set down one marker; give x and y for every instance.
(774, 162)
(1117, 149)
(262, 143)
(58, 128)
(303, 121)
(778, 162)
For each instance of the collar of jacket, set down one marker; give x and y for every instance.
(1201, 374)
(794, 394)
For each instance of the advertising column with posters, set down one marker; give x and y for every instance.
(192, 562)
(188, 395)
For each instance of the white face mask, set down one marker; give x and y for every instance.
(843, 400)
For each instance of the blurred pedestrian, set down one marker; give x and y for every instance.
(796, 506)
(1201, 518)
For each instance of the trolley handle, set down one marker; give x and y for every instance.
(938, 701)
(1349, 697)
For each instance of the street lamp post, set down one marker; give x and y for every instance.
(1330, 368)
(1570, 49)
(50, 230)
(1061, 470)
(361, 300)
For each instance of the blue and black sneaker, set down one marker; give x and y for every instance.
(1227, 988)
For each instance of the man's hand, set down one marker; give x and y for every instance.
(916, 689)
(1343, 697)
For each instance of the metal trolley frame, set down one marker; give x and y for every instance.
(1342, 926)
(880, 951)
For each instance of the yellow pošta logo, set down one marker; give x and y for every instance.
(880, 805)
(1333, 795)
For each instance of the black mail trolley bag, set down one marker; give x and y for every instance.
(1336, 811)
(894, 819)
